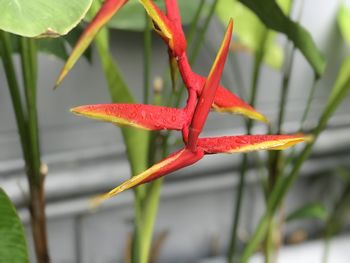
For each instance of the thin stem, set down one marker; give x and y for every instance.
(150, 203)
(244, 167)
(237, 73)
(147, 50)
(285, 90)
(194, 23)
(309, 102)
(196, 48)
(14, 92)
(36, 174)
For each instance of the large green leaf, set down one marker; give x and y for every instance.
(273, 17)
(132, 15)
(13, 247)
(343, 19)
(33, 18)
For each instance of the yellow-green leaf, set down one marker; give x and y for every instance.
(343, 19)
(33, 18)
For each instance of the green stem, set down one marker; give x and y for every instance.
(16, 99)
(202, 32)
(309, 102)
(194, 23)
(136, 142)
(244, 167)
(147, 50)
(36, 174)
(28, 61)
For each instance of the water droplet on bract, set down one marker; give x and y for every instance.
(173, 118)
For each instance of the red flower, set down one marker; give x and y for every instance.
(203, 94)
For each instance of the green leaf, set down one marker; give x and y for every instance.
(13, 247)
(343, 19)
(340, 88)
(249, 30)
(273, 17)
(309, 211)
(33, 18)
(131, 16)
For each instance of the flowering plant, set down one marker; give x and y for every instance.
(203, 94)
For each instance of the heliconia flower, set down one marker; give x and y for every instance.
(106, 12)
(203, 93)
(196, 147)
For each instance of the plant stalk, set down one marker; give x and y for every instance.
(259, 55)
(35, 171)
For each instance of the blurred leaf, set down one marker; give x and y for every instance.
(33, 18)
(273, 17)
(309, 211)
(132, 15)
(340, 88)
(343, 19)
(136, 140)
(250, 31)
(13, 247)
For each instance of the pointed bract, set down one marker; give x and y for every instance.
(247, 143)
(107, 10)
(208, 93)
(141, 116)
(173, 162)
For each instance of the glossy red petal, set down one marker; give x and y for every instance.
(247, 143)
(208, 93)
(142, 116)
(107, 10)
(175, 161)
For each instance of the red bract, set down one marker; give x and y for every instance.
(203, 93)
